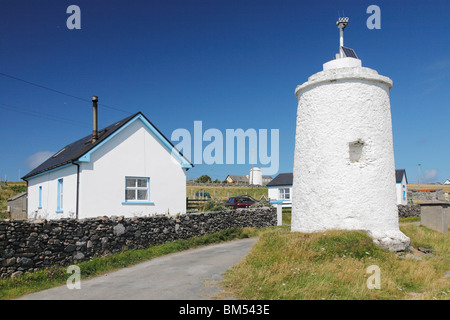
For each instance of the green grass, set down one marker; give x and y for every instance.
(409, 219)
(55, 276)
(286, 216)
(286, 265)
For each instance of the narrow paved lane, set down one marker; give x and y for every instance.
(187, 275)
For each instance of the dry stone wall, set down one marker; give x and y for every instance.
(27, 246)
(408, 211)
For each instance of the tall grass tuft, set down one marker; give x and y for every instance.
(333, 265)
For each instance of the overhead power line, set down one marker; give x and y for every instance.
(42, 115)
(60, 92)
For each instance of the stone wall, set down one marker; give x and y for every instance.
(408, 211)
(437, 194)
(27, 246)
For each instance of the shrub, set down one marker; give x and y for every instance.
(261, 204)
(214, 205)
(203, 179)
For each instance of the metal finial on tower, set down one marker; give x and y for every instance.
(341, 24)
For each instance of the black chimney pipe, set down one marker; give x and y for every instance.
(95, 127)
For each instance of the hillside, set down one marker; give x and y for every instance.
(8, 191)
(223, 192)
(444, 187)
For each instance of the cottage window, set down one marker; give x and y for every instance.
(284, 193)
(137, 189)
(59, 196)
(40, 198)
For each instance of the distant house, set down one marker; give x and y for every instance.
(401, 186)
(127, 169)
(280, 189)
(266, 179)
(17, 206)
(231, 178)
(447, 181)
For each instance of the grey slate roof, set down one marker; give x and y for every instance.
(399, 175)
(17, 196)
(238, 178)
(283, 179)
(74, 151)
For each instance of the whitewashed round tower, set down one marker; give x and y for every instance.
(344, 171)
(255, 176)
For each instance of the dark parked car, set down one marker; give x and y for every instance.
(240, 202)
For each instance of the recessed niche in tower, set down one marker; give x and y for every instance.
(355, 150)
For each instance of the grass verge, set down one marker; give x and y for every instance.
(333, 265)
(56, 276)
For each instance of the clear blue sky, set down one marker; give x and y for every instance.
(231, 64)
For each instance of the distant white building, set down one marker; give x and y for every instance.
(401, 186)
(232, 178)
(255, 177)
(280, 189)
(129, 170)
(447, 181)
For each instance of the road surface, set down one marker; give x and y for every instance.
(189, 275)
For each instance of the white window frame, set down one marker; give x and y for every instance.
(282, 193)
(136, 188)
(60, 196)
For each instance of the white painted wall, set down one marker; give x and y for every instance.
(402, 198)
(134, 152)
(255, 176)
(331, 190)
(49, 184)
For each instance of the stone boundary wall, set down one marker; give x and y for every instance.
(437, 194)
(408, 211)
(28, 246)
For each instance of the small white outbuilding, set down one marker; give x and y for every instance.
(401, 186)
(127, 169)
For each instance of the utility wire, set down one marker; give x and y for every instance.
(42, 115)
(60, 92)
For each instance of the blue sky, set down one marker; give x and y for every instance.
(230, 64)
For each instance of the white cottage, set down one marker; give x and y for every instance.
(401, 186)
(280, 189)
(127, 169)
